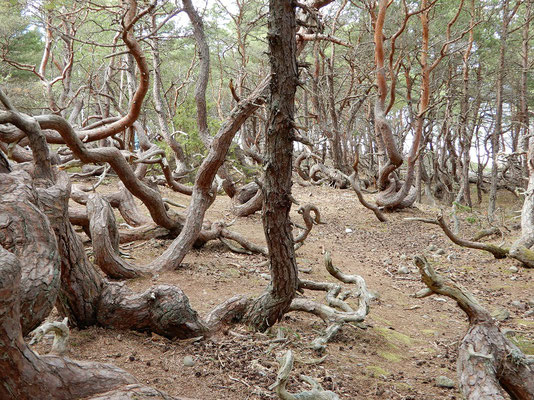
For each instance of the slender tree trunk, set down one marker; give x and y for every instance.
(337, 151)
(465, 136)
(497, 131)
(160, 108)
(521, 248)
(523, 90)
(272, 305)
(202, 81)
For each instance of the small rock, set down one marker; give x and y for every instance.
(440, 252)
(374, 294)
(131, 358)
(432, 247)
(403, 270)
(514, 269)
(518, 304)
(188, 361)
(388, 262)
(403, 257)
(452, 256)
(508, 332)
(500, 314)
(444, 382)
(530, 302)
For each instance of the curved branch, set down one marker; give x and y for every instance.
(498, 252)
(449, 288)
(105, 240)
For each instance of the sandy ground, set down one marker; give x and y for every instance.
(397, 353)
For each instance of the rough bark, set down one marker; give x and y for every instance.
(25, 232)
(105, 240)
(27, 375)
(271, 306)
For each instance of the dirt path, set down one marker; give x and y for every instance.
(404, 345)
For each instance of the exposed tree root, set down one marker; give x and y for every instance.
(26, 375)
(61, 333)
(488, 363)
(338, 311)
(316, 393)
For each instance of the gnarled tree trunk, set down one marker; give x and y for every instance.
(270, 307)
(25, 232)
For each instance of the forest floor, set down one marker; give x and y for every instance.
(397, 353)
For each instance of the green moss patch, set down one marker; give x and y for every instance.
(526, 345)
(394, 337)
(376, 371)
(393, 357)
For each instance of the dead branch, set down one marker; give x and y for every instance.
(485, 233)
(338, 311)
(498, 252)
(356, 187)
(309, 221)
(279, 386)
(61, 335)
